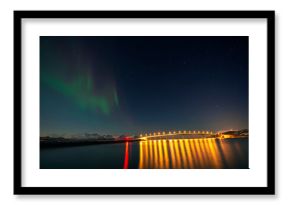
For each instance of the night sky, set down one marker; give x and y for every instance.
(118, 85)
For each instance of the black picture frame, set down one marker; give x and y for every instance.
(269, 189)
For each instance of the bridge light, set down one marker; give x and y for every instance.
(140, 135)
(154, 134)
(184, 132)
(194, 131)
(174, 132)
(146, 134)
(150, 134)
(206, 132)
(169, 132)
(202, 132)
(189, 132)
(179, 132)
(158, 133)
(198, 132)
(163, 133)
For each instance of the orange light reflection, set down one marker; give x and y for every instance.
(186, 153)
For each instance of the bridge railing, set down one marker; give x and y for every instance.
(172, 133)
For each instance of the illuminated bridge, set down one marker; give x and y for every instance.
(176, 134)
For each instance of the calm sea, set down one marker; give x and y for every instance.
(151, 154)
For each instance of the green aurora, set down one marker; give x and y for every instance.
(82, 91)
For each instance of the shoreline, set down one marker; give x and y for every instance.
(73, 143)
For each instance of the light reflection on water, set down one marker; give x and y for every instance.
(202, 153)
(207, 153)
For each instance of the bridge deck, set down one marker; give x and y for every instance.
(178, 136)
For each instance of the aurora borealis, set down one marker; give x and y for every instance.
(116, 85)
(81, 90)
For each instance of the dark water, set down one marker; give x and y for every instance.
(151, 154)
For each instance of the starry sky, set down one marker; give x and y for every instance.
(134, 84)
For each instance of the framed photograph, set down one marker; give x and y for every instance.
(144, 102)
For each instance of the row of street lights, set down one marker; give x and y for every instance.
(176, 132)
